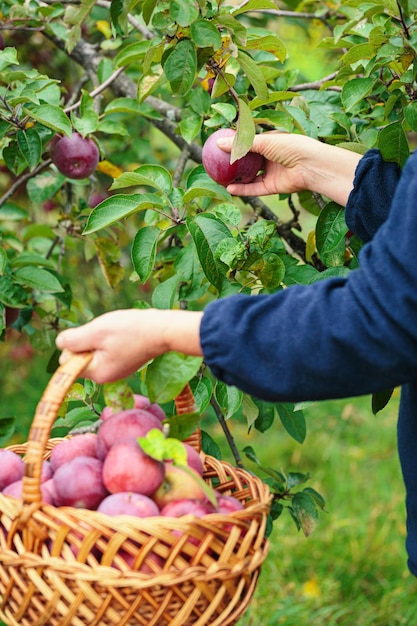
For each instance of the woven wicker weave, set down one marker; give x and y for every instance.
(64, 567)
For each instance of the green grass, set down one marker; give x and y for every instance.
(352, 569)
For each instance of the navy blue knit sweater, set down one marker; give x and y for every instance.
(339, 337)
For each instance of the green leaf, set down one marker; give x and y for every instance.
(168, 374)
(3, 261)
(150, 175)
(205, 34)
(38, 278)
(266, 415)
(131, 53)
(7, 428)
(202, 389)
(183, 12)
(393, 144)
(181, 66)
(44, 186)
(30, 145)
(228, 398)
(164, 294)
(162, 448)
(245, 133)
(118, 395)
(253, 73)
(122, 105)
(271, 43)
(207, 231)
(12, 294)
(117, 207)
(293, 421)
(272, 272)
(331, 230)
(380, 400)
(355, 90)
(209, 446)
(202, 186)
(52, 117)
(8, 56)
(116, 12)
(74, 417)
(31, 258)
(359, 52)
(144, 249)
(182, 426)
(305, 510)
(254, 5)
(250, 410)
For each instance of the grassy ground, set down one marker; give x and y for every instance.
(352, 569)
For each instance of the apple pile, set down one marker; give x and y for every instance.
(110, 471)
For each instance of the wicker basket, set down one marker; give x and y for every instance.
(62, 566)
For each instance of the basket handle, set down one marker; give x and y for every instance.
(47, 410)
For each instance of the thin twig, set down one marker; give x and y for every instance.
(22, 179)
(98, 89)
(228, 434)
(182, 162)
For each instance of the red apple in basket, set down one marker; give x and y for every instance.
(128, 468)
(228, 504)
(12, 467)
(186, 506)
(179, 483)
(79, 483)
(67, 449)
(130, 423)
(194, 459)
(128, 503)
(15, 491)
(140, 402)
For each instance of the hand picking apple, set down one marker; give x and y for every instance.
(217, 164)
(125, 340)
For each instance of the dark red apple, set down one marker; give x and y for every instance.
(217, 164)
(76, 156)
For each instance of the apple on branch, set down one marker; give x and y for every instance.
(75, 157)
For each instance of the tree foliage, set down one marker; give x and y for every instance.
(149, 81)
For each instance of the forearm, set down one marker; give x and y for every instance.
(123, 341)
(331, 173)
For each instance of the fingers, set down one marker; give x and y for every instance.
(75, 339)
(257, 188)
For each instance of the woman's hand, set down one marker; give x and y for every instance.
(123, 341)
(295, 163)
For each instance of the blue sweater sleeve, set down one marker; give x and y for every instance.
(370, 200)
(336, 337)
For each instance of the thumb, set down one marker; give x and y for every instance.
(225, 143)
(74, 339)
